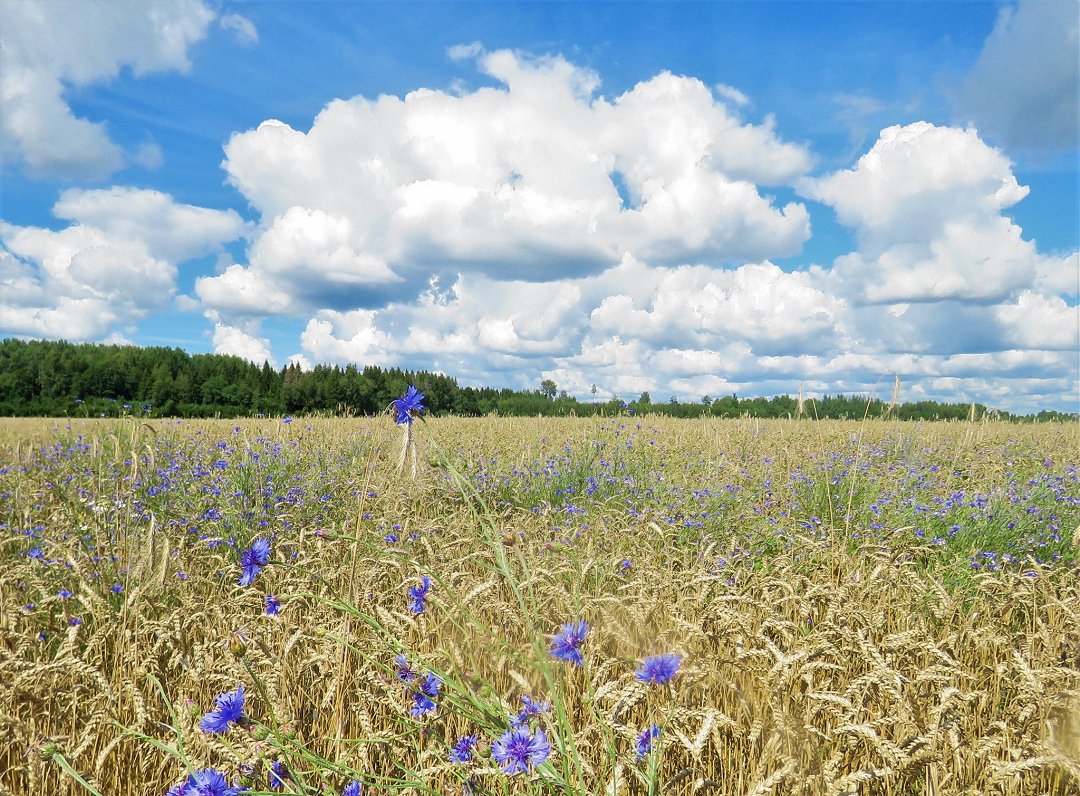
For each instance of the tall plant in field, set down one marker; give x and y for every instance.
(406, 409)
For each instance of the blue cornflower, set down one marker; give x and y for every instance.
(37, 553)
(116, 588)
(531, 708)
(352, 789)
(277, 775)
(567, 642)
(403, 670)
(422, 705)
(253, 560)
(228, 709)
(645, 741)
(534, 707)
(462, 751)
(418, 595)
(273, 605)
(424, 698)
(431, 685)
(516, 750)
(64, 594)
(207, 782)
(659, 669)
(408, 406)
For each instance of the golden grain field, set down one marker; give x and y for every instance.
(858, 607)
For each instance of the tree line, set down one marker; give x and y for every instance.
(40, 378)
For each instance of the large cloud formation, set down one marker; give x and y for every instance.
(48, 47)
(539, 229)
(927, 205)
(537, 179)
(116, 262)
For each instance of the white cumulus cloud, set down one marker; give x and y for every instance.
(519, 181)
(239, 343)
(242, 291)
(116, 262)
(926, 203)
(171, 230)
(758, 303)
(345, 337)
(1043, 322)
(48, 46)
(77, 282)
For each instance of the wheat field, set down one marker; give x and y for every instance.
(856, 607)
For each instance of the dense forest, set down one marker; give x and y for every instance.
(57, 379)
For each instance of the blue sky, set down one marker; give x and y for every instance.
(684, 198)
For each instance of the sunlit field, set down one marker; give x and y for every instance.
(615, 605)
